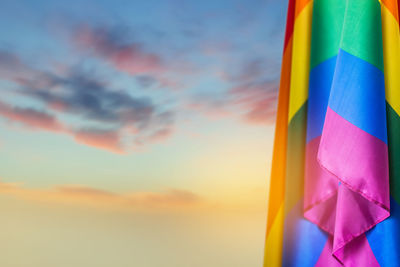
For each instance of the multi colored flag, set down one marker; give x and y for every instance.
(335, 181)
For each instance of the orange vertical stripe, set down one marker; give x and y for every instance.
(277, 185)
(300, 5)
(392, 7)
(275, 220)
(273, 251)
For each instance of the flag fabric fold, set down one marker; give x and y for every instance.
(340, 162)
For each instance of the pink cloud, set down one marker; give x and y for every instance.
(253, 103)
(79, 190)
(57, 105)
(85, 195)
(84, 97)
(134, 61)
(38, 120)
(31, 118)
(160, 135)
(127, 57)
(257, 101)
(11, 66)
(261, 112)
(211, 109)
(108, 140)
(172, 196)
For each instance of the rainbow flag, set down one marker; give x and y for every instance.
(335, 182)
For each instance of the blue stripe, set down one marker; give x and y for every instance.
(358, 94)
(303, 241)
(384, 238)
(321, 78)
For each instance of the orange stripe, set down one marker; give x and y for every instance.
(277, 185)
(300, 5)
(278, 169)
(277, 180)
(392, 7)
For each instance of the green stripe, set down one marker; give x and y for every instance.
(294, 185)
(327, 24)
(353, 25)
(393, 124)
(362, 31)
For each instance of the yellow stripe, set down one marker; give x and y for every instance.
(274, 242)
(391, 56)
(300, 60)
(278, 170)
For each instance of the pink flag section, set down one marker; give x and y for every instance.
(347, 190)
(359, 250)
(355, 157)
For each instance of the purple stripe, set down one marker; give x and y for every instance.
(358, 254)
(326, 259)
(357, 158)
(360, 161)
(346, 190)
(319, 184)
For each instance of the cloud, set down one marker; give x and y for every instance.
(257, 100)
(10, 64)
(253, 103)
(250, 69)
(171, 197)
(102, 113)
(214, 106)
(112, 45)
(78, 190)
(103, 139)
(262, 111)
(89, 196)
(12, 68)
(247, 87)
(81, 94)
(31, 118)
(160, 135)
(122, 48)
(39, 120)
(146, 81)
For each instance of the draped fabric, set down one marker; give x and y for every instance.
(335, 183)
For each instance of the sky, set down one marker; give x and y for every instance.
(137, 133)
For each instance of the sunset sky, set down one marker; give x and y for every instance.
(136, 133)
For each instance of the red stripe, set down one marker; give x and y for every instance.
(398, 6)
(290, 21)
